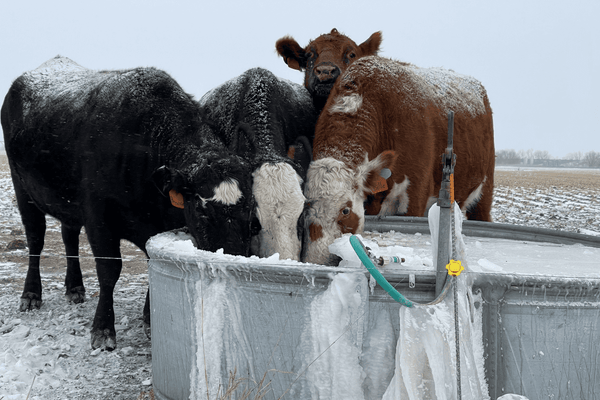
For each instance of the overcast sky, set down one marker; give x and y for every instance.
(538, 59)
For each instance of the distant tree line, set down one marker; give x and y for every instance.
(591, 159)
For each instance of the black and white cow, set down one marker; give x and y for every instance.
(281, 119)
(91, 148)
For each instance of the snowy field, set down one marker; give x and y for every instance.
(561, 199)
(45, 354)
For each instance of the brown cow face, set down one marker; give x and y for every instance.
(336, 194)
(324, 59)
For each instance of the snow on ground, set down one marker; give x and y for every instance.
(53, 345)
(46, 353)
(555, 198)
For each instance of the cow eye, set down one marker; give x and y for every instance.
(346, 211)
(352, 55)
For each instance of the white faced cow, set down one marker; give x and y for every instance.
(280, 120)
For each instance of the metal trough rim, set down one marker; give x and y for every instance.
(483, 229)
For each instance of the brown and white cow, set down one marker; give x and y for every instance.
(324, 59)
(384, 114)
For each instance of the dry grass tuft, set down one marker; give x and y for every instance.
(234, 384)
(146, 396)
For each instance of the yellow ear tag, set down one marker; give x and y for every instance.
(176, 198)
(379, 184)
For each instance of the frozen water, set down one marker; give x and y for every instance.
(222, 341)
(330, 352)
(434, 227)
(377, 362)
(425, 355)
(425, 362)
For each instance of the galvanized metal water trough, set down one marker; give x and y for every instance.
(541, 332)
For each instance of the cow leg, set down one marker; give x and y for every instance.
(141, 243)
(481, 207)
(397, 200)
(34, 221)
(108, 268)
(75, 291)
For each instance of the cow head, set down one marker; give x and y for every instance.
(324, 59)
(279, 205)
(216, 197)
(336, 193)
(277, 189)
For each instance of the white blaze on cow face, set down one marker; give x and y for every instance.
(227, 192)
(347, 104)
(336, 194)
(279, 203)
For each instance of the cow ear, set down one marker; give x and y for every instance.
(373, 174)
(301, 152)
(370, 47)
(166, 179)
(242, 142)
(293, 55)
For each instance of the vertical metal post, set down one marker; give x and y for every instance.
(445, 202)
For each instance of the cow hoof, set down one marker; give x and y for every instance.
(147, 330)
(104, 339)
(30, 301)
(76, 295)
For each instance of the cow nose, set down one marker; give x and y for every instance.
(326, 72)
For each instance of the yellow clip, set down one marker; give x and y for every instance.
(454, 268)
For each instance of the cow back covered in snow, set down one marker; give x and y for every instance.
(96, 149)
(383, 117)
(324, 59)
(280, 118)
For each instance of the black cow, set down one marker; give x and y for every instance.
(90, 148)
(281, 118)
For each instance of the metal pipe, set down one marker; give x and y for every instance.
(445, 202)
(493, 230)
